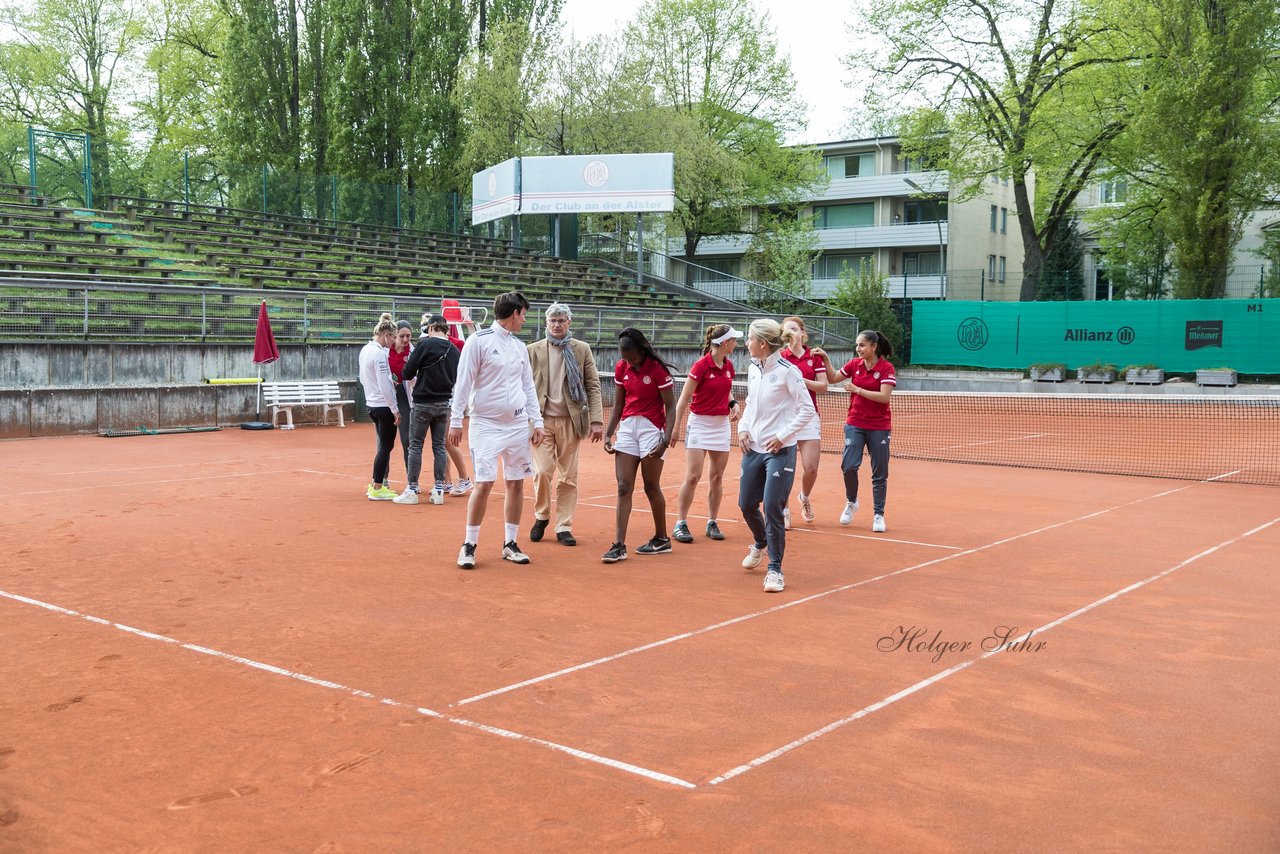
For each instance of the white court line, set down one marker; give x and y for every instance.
(991, 441)
(355, 692)
(735, 620)
(938, 677)
(143, 483)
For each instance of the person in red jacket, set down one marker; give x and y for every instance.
(870, 379)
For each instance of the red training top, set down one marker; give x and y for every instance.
(457, 342)
(643, 387)
(809, 367)
(396, 361)
(863, 413)
(715, 385)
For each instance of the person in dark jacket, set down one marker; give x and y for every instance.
(433, 365)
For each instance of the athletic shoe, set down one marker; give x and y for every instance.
(850, 507)
(566, 537)
(539, 528)
(467, 557)
(511, 552)
(656, 546)
(806, 509)
(681, 533)
(713, 531)
(752, 560)
(437, 496)
(448, 486)
(380, 493)
(462, 487)
(617, 552)
(786, 518)
(409, 496)
(877, 523)
(773, 582)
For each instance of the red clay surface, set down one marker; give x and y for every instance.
(1144, 723)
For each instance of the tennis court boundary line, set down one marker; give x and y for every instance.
(943, 674)
(810, 598)
(617, 764)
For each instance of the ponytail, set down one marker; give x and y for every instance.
(384, 325)
(883, 348)
(714, 331)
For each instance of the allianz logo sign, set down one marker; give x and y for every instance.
(1123, 335)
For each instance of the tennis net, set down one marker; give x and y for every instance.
(1194, 437)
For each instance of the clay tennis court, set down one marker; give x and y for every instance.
(214, 642)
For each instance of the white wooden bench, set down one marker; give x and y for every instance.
(283, 396)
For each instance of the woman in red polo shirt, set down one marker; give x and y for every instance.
(708, 398)
(643, 408)
(870, 379)
(809, 442)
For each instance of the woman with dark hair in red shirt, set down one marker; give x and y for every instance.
(870, 379)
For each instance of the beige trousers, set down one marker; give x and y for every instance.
(556, 458)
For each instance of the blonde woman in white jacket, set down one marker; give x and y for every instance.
(380, 395)
(778, 406)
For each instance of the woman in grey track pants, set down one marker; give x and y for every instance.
(778, 406)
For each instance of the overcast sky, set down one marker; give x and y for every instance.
(812, 32)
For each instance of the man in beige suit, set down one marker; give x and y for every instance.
(568, 387)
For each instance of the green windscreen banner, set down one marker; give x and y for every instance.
(1176, 335)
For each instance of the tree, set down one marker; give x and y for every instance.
(1062, 273)
(60, 70)
(715, 65)
(1203, 145)
(1014, 87)
(781, 255)
(861, 292)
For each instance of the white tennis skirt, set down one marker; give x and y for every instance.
(811, 430)
(637, 436)
(707, 432)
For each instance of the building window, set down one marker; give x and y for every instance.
(1004, 220)
(924, 210)
(994, 212)
(1001, 271)
(918, 163)
(715, 269)
(845, 216)
(920, 264)
(1113, 192)
(991, 268)
(834, 266)
(851, 165)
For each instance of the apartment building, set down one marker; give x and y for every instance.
(902, 218)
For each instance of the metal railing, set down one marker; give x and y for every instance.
(80, 310)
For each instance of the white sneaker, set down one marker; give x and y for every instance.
(409, 496)
(511, 552)
(786, 518)
(437, 496)
(462, 487)
(752, 560)
(877, 524)
(850, 507)
(806, 509)
(467, 556)
(773, 582)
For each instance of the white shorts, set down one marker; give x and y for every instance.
(508, 442)
(637, 436)
(707, 432)
(811, 430)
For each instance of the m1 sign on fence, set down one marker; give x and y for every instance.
(495, 192)
(631, 183)
(1177, 335)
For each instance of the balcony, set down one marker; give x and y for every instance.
(875, 186)
(882, 236)
(916, 287)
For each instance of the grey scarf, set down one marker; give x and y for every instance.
(572, 370)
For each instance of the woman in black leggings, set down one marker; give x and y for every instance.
(380, 396)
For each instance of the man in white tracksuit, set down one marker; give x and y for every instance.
(496, 382)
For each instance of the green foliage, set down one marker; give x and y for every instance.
(1269, 287)
(781, 255)
(861, 292)
(1062, 274)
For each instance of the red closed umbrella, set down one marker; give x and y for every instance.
(265, 350)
